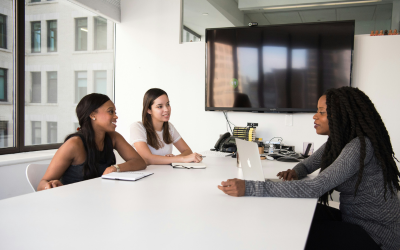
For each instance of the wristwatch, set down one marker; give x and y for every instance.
(117, 167)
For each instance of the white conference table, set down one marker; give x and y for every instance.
(172, 209)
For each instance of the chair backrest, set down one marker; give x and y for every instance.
(34, 173)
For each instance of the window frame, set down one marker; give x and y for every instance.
(5, 31)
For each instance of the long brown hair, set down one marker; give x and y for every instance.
(152, 137)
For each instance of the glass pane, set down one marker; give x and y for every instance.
(3, 31)
(100, 33)
(7, 98)
(101, 82)
(36, 36)
(55, 84)
(52, 36)
(52, 87)
(81, 34)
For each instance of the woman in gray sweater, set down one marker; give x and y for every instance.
(358, 161)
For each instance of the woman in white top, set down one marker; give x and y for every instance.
(154, 136)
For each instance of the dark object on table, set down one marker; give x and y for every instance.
(288, 159)
(385, 33)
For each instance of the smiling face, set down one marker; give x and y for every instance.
(105, 117)
(160, 110)
(321, 123)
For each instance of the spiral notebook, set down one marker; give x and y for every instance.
(127, 176)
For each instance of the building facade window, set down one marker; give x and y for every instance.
(36, 87)
(51, 132)
(3, 31)
(100, 81)
(36, 132)
(100, 33)
(3, 134)
(52, 36)
(36, 36)
(3, 85)
(81, 34)
(52, 87)
(80, 85)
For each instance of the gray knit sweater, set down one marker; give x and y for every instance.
(379, 218)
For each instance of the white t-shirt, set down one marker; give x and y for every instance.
(138, 133)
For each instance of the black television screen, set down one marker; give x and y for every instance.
(283, 68)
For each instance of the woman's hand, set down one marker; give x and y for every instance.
(110, 170)
(53, 184)
(233, 187)
(195, 157)
(169, 155)
(288, 175)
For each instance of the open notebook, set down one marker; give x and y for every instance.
(126, 176)
(188, 165)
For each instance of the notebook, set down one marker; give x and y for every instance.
(126, 176)
(188, 165)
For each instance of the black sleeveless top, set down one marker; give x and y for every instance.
(75, 173)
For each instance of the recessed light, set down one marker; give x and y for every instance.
(205, 14)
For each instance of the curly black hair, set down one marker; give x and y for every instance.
(351, 114)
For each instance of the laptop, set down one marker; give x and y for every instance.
(250, 161)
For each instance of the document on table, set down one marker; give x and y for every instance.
(126, 176)
(188, 165)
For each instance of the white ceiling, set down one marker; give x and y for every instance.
(194, 19)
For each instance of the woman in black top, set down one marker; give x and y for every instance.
(89, 153)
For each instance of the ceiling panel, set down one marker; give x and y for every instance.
(383, 12)
(259, 18)
(318, 15)
(364, 13)
(283, 17)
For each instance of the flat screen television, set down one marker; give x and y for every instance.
(276, 68)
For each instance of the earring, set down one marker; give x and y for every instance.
(94, 119)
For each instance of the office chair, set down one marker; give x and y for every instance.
(34, 173)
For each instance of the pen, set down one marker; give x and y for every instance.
(203, 156)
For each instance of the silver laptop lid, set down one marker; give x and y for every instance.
(249, 158)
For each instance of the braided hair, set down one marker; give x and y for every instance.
(351, 114)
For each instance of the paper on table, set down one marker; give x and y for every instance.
(127, 176)
(188, 165)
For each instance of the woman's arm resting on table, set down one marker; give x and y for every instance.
(151, 159)
(62, 159)
(133, 161)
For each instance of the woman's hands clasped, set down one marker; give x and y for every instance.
(288, 175)
(53, 184)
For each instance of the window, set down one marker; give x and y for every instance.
(189, 35)
(3, 85)
(100, 82)
(51, 36)
(52, 87)
(36, 87)
(3, 31)
(80, 85)
(3, 134)
(81, 31)
(36, 36)
(35, 1)
(100, 33)
(29, 119)
(36, 132)
(51, 132)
